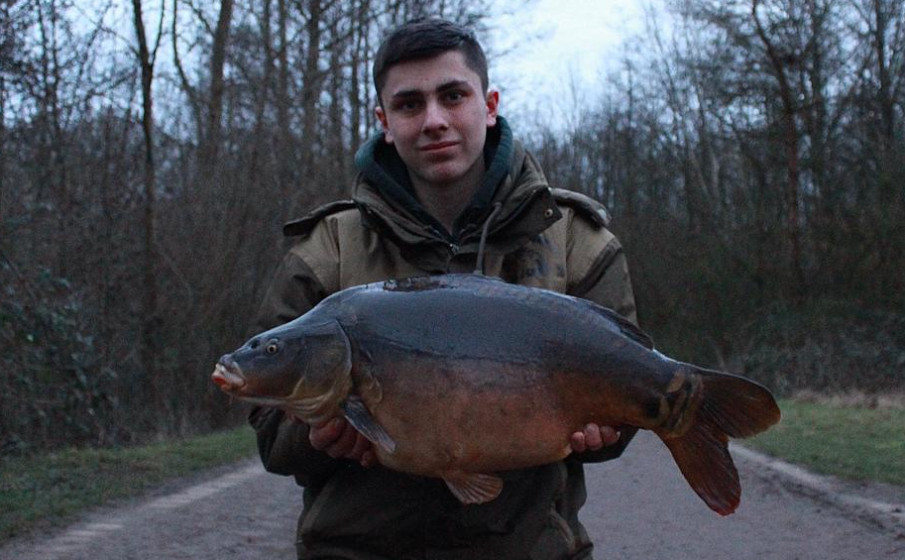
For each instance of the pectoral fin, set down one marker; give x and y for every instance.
(357, 414)
(473, 488)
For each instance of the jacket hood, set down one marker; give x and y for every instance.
(385, 195)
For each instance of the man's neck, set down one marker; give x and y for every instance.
(446, 202)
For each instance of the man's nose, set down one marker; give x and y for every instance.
(435, 117)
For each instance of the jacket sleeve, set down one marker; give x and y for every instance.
(282, 441)
(599, 272)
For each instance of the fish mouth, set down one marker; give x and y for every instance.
(228, 376)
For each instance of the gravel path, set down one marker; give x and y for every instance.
(638, 507)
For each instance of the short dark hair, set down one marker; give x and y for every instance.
(425, 38)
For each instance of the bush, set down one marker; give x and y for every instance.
(56, 390)
(829, 347)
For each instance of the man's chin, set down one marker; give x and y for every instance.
(443, 175)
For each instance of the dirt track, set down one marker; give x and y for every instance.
(638, 507)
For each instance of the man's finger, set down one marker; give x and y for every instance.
(592, 438)
(344, 444)
(577, 442)
(609, 435)
(362, 445)
(368, 459)
(325, 435)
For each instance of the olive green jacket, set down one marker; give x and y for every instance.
(538, 236)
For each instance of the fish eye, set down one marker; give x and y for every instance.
(272, 347)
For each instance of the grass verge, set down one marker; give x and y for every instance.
(45, 490)
(852, 442)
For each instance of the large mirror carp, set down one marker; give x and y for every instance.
(461, 376)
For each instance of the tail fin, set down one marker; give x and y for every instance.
(729, 406)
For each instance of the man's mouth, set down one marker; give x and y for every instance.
(438, 146)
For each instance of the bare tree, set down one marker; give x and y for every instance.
(780, 62)
(211, 143)
(146, 57)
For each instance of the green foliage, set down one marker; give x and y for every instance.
(694, 292)
(828, 346)
(47, 489)
(72, 374)
(703, 302)
(56, 391)
(851, 442)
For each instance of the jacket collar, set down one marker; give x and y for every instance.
(513, 180)
(381, 169)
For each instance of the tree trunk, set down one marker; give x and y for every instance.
(211, 148)
(885, 95)
(310, 94)
(148, 350)
(285, 155)
(790, 141)
(2, 146)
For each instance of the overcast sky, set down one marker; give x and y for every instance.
(550, 43)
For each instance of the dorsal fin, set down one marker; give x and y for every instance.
(625, 326)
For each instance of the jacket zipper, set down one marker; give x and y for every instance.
(452, 251)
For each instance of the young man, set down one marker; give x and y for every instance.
(444, 171)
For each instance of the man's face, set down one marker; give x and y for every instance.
(436, 114)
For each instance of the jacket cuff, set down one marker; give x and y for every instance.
(284, 447)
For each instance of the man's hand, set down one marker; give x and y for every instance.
(593, 437)
(338, 439)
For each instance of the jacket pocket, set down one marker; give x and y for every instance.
(366, 508)
(559, 539)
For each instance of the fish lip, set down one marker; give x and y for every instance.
(228, 375)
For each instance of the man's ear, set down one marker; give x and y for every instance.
(493, 105)
(382, 117)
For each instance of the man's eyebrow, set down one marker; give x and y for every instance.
(451, 84)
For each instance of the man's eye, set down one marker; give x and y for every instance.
(407, 106)
(454, 96)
